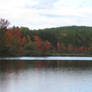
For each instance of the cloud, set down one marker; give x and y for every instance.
(46, 13)
(45, 4)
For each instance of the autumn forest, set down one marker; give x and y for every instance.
(60, 41)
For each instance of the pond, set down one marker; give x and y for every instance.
(45, 76)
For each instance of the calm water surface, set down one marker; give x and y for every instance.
(45, 76)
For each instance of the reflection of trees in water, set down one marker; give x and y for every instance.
(60, 64)
(4, 66)
(19, 66)
(10, 66)
(16, 66)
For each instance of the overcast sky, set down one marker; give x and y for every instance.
(37, 14)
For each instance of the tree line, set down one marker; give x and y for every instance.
(21, 41)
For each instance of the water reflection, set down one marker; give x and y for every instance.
(45, 76)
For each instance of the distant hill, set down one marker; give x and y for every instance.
(69, 41)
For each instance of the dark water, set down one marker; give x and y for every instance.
(45, 76)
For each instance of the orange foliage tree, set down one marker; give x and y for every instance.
(82, 48)
(63, 46)
(13, 39)
(70, 47)
(8, 37)
(47, 45)
(24, 40)
(17, 33)
(38, 42)
(58, 45)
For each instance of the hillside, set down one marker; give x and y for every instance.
(69, 41)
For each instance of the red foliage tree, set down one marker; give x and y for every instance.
(82, 48)
(13, 38)
(21, 50)
(8, 36)
(70, 47)
(17, 33)
(58, 46)
(24, 40)
(38, 42)
(47, 45)
(63, 46)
